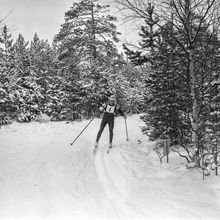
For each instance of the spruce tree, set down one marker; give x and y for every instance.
(44, 68)
(28, 92)
(7, 77)
(188, 43)
(163, 102)
(86, 45)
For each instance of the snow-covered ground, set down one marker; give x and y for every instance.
(43, 177)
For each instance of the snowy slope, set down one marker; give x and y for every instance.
(43, 177)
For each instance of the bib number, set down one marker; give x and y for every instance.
(110, 109)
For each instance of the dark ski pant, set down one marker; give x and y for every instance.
(102, 126)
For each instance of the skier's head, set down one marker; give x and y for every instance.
(112, 99)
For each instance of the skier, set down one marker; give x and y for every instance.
(109, 110)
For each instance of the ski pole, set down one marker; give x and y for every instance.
(126, 129)
(82, 131)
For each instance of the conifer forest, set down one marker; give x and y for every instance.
(171, 77)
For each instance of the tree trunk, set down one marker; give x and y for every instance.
(93, 47)
(194, 121)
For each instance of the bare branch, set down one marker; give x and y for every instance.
(181, 155)
(202, 19)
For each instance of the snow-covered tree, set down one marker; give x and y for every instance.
(28, 92)
(189, 45)
(7, 78)
(86, 46)
(44, 68)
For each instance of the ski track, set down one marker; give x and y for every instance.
(165, 195)
(42, 177)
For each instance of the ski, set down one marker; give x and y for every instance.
(109, 149)
(95, 150)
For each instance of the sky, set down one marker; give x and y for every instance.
(31, 16)
(45, 17)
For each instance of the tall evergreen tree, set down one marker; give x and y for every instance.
(163, 90)
(190, 40)
(7, 77)
(28, 92)
(43, 67)
(86, 43)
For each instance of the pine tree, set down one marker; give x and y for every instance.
(44, 68)
(189, 45)
(86, 45)
(129, 87)
(208, 89)
(162, 102)
(7, 81)
(28, 92)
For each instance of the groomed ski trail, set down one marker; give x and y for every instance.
(126, 178)
(113, 191)
(42, 177)
(120, 185)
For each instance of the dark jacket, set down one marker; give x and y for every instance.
(110, 111)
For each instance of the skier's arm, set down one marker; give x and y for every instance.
(102, 108)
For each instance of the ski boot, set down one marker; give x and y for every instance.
(96, 148)
(109, 147)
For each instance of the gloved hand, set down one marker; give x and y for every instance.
(125, 116)
(101, 109)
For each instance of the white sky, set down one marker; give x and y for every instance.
(45, 17)
(30, 16)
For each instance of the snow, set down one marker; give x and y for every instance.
(43, 118)
(43, 177)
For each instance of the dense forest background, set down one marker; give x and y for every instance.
(71, 78)
(173, 78)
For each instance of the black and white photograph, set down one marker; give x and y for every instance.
(109, 109)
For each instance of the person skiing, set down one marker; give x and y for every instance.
(109, 109)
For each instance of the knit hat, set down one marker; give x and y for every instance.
(112, 98)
